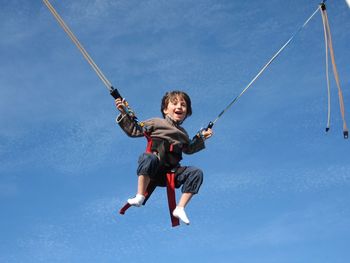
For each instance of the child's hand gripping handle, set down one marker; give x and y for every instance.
(128, 111)
(201, 131)
(116, 95)
(207, 132)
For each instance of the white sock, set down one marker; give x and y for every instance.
(179, 212)
(137, 200)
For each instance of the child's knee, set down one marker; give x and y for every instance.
(192, 180)
(148, 164)
(196, 175)
(199, 175)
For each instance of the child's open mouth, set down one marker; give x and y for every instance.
(179, 113)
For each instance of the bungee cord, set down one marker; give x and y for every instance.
(328, 43)
(327, 76)
(263, 69)
(334, 66)
(113, 91)
(79, 46)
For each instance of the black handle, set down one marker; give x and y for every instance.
(210, 125)
(346, 134)
(115, 94)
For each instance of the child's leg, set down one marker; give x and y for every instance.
(148, 165)
(191, 179)
(185, 198)
(142, 183)
(179, 211)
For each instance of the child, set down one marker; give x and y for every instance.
(166, 133)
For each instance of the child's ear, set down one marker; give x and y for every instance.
(165, 111)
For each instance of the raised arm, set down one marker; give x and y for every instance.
(197, 143)
(125, 121)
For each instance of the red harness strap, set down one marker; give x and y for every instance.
(170, 185)
(124, 208)
(170, 189)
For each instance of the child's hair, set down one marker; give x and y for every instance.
(172, 96)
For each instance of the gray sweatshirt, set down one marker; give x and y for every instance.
(165, 129)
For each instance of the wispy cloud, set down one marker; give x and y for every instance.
(317, 221)
(68, 148)
(283, 180)
(47, 242)
(18, 20)
(151, 15)
(119, 237)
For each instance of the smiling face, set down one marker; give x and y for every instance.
(176, 109)
(176, 105)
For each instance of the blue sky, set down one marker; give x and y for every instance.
(276, 186)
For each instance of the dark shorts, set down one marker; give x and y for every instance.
(189, 177)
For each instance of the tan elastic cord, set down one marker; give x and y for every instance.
(335, 71)
(327, 74)
(79, 45)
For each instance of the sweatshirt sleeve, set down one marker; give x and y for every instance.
(128, 126)
(195, 145)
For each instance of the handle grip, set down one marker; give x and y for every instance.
(210, 125)
(115, 94)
